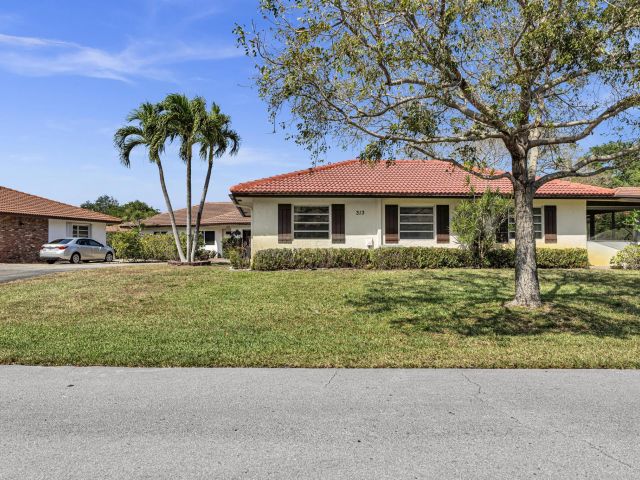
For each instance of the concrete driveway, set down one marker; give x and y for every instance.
(79, 423)
(18, 271)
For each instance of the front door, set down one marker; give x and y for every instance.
(246, 242)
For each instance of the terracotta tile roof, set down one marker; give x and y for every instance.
(19, 203)
(215, 213)
(628, 192)
(402, 178)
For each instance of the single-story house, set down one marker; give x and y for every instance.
(219, 220)
(410, 203)
(27, 222)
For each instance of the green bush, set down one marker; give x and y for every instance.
(563, 258)
(126, 244)
(627, 258)
(393, 258)
(420, 257)
(159, 247)
(309, 258)
(547, 258)
(502, 258)
(132, 245)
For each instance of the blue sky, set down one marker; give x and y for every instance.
(71, 71)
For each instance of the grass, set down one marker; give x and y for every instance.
(211, 316)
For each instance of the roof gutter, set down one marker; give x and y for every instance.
(234, 200)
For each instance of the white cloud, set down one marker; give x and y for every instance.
(36, 56)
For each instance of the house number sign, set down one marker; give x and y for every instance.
(359, 212)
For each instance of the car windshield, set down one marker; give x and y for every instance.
(61, 241)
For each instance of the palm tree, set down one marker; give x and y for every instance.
(150, 132)
(184, 120)
(215, 138)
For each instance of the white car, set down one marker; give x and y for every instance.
(76, 250)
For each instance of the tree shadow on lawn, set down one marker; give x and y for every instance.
(472, 304)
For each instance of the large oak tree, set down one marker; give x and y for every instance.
(471, 82)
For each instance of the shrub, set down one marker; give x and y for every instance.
(547, 258)
(309, 258)
(563, 258)
(132, 245)
(237, 257)
(126, 244)
(393, 258)
(420, 257)
(159, 247)
(476, 222)
(627, 258)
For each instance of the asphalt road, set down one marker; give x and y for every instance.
(80, 423)
(18, 271)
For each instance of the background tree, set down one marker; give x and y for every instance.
(625, 174)
(104, 204)
(476, 222)
(477, 83)
(150, 132)
(134, 211)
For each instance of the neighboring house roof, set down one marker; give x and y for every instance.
(122, 227)
(401, 178)
(19, 203)
(628, 192)
(214, 213)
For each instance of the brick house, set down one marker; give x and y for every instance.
(28, 221)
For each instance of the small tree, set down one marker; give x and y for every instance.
(149, 131)
(476, 221)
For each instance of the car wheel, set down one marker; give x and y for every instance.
(51, 262)
(75, 258)
(108, 257)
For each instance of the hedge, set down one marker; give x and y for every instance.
(389, 258)
(420, 257)
(627, 258)
(310, 258)
(132, 245)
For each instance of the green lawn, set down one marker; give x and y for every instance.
(167, 316)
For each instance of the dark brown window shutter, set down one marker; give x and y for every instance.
(391, 223)
(502, 235)
(284, 223)
(337, 223)
(442, 223)
(550, 224)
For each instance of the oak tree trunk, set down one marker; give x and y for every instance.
(527, 284)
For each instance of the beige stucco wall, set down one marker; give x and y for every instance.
(364, 222)
(601, 252)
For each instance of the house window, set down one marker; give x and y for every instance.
(416, 223)
(311, 222)
(537, 224)
(611, 226)
(80, 231)
(209, 237)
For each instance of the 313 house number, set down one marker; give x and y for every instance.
(359, 212)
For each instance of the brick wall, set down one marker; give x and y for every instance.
(21, 238)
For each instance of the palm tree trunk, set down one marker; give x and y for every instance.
(189, 246)
(167, 201)
(203, 198)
